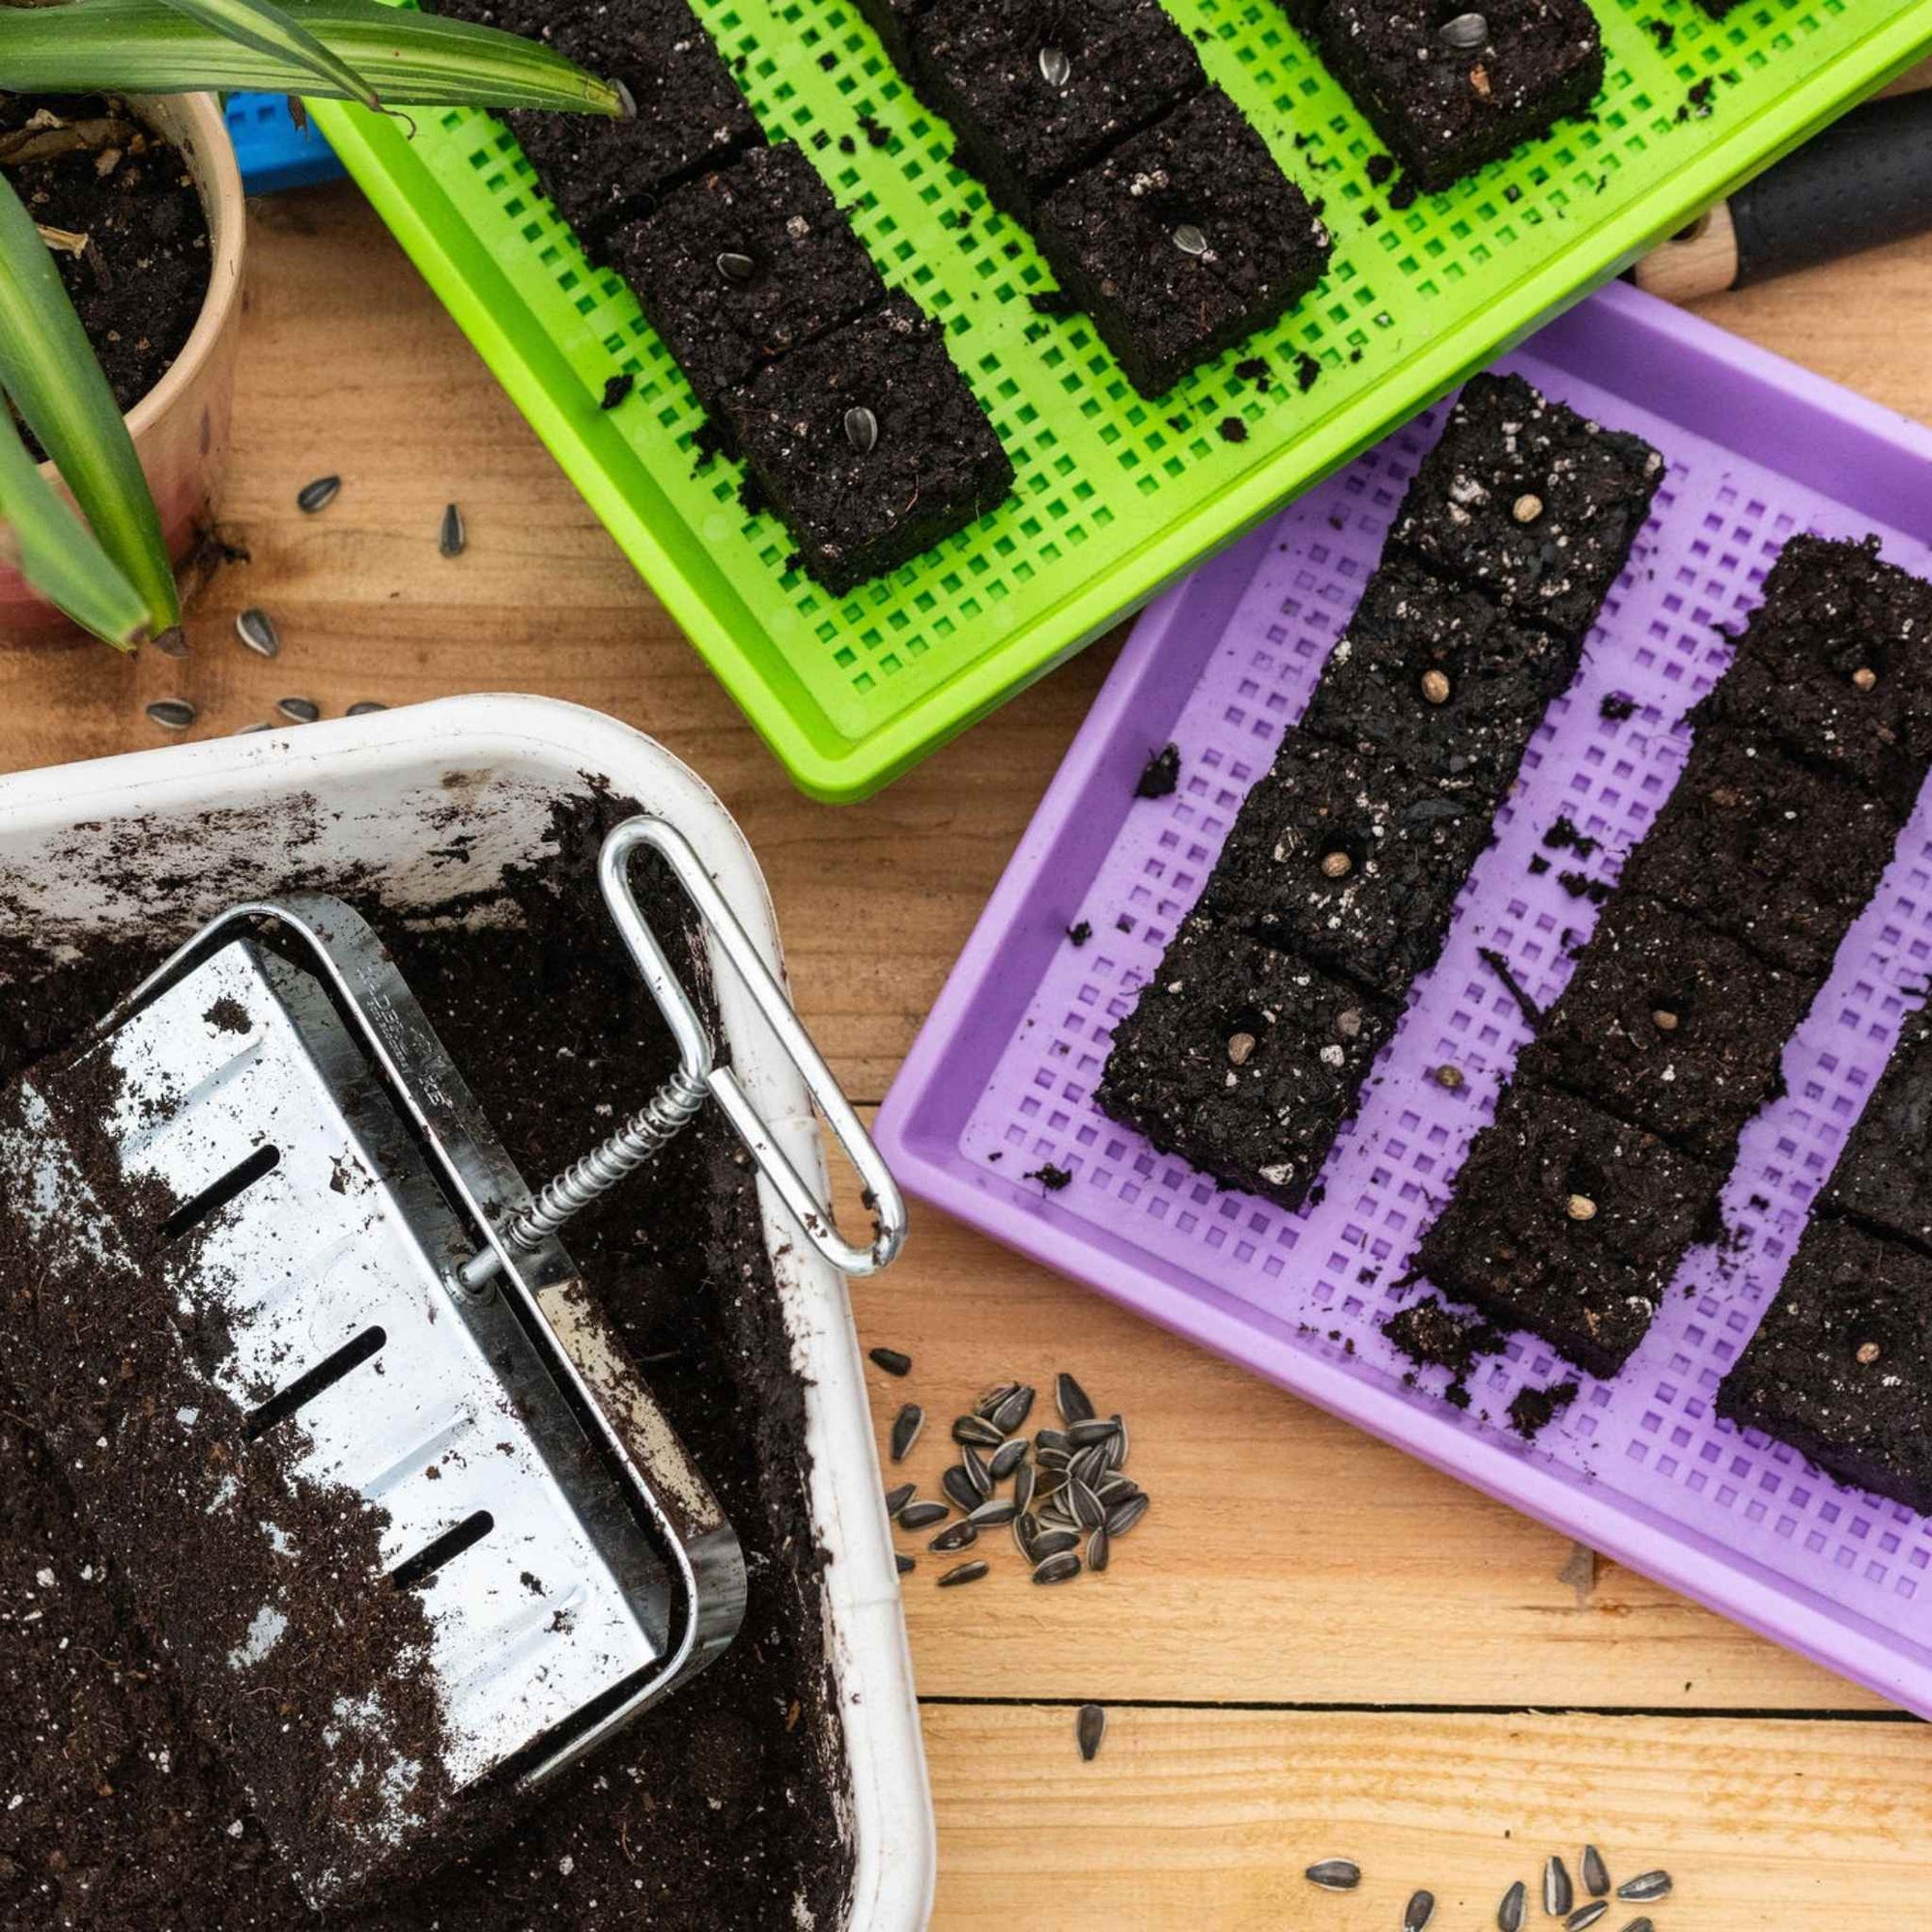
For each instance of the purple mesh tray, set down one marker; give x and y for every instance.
(999, 1080)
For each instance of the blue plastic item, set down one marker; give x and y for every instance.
(272, 150)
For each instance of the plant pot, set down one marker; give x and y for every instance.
(180, 426)
(369, 799)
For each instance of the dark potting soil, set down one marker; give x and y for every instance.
(84, 166)
(717, 1809)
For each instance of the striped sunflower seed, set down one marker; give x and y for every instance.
(1114, 1489)
(1052, 1543)
(992, 1399)
(1060, 1568)
(994, 1514)
(1026, 1532)
(1645, 1887)
(1089, 1730)
(172, 714)
(977, 1471)
(452, 538)
(906, 1424)
(1116, 1444)
(1090, 1465)
(1335, 1874)
(977, 1432)
(960, 1535)
(1418, 1912)
(1586, 1915)
(257, 630)
(1071, 1400)
(961, 1487)
(1056, 1441)
(1023, 1485)
(249, 730)
(1013, 1411)
(898, 1497)
(1008, 1458)
(1558, 1893)
(1054, 1458)
(365, 707)
(963, 1573)
(1509, 1914)
(1093, 1429)
(1098, 1550)
(892, 1361)
(1641, 1925)
(1089, 1511)
(1122, 1517)
(1596, 1874)
(319, 495)
(298, 710)
(1048, 1484)
(923, 1515)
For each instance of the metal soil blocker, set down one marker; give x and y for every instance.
(404, 1334)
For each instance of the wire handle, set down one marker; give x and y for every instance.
(699, 1075)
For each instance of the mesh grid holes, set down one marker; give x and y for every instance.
(1650, 1435)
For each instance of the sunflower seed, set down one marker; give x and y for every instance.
(298, 710)
(171, 642)
(1645, 1887)
(976, 1431)
(977, 1471)
(1596, 1874)
(1023, 1487)
(923, 1515)
(961, 1535)
(1060, 1568)
(898, 1498)
(1116, 1444)
(1088, 1508)
(1055, 68)
(1586, 1915)
(1122, 1517)
(993, 1398)
(736, 267)
(1098, 1550)
(1060, 1460)
(1056, 1515)
(1113, 1488)
(1335, 1874)
(1090, 1465)
(892, 1361)
(1189, 240)
(1070, 1398)
(992, 1515)
(1641, 1925)
(1052, 1543)
(1026, 1533)
(319, 495)
(1465, 33)
(452, 539)
(907, 1565)
(1509, 1914)
(1084, 1434)
(961, 1487)
(862, 429)
(1558, 1893)
(1012, 1413)
(172, 714)
(257, 630)
(364, 707)
(249, 730)
(964, 1573)
(1090, 1727)
(1418, 1912)
(906, 1424)
(1008, 1458)
(1055, 1440)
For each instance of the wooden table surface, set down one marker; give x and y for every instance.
(1313, 1645)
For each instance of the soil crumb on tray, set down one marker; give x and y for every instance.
(136, 265)
(717, 1809)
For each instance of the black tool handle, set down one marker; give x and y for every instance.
(1866, 181)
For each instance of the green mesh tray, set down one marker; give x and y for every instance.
(1116, 495)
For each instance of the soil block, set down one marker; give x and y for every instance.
(738, 267)
(1350, 861)
(1766, 851)
(1837, 664)
(1184, 241)
(1841, 1366)
(1670, 1027)
(690, 116)
(1883, 1177)
(1243, 1061)
(139, 282)
(1569, 1224)
(1446, 107)
(717, 1809)
(869, 444)
(1434, 677)
(1531, 501)
(1034, 93)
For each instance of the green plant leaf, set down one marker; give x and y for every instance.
(57, 554)
(146, 47)
(265, 27)
(47, 366)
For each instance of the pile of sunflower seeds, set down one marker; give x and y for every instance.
(1559, 1895)
(1069, 1498)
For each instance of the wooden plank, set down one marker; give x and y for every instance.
(1208, 1818)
